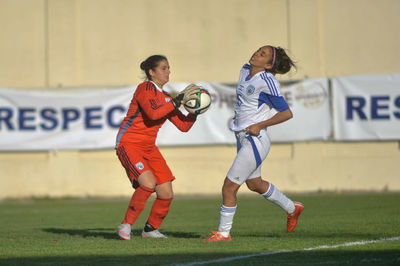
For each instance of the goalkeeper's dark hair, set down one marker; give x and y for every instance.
(280, 61)
(151, 63)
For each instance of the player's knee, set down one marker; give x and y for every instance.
(149, 185)
(254, 185)
(147, 179)
(230, 188)
(165, 195)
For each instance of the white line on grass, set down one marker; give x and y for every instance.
(348, 244)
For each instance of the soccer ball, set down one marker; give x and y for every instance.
(199, 105)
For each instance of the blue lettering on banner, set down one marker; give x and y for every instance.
(69, 115)
(379, 107)
(397, 104)
(5, 118)
(375, 107)
(110, 114)
(48, 114)
(49, 118)
(355, 104)
(90, 115)
(25, 115)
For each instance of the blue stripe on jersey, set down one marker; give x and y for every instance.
(126, 126)
(246, 66)
(227, 209)
(255, 150)
(270, 83)
(276, 102)
(150, 86)
(131, 168)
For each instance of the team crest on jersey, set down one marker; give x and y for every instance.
(250, 89)
(139, 165)
(167, 100)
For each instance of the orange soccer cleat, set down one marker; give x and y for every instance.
(216, 236)
(293, 217)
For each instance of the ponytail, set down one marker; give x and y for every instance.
(280, 61)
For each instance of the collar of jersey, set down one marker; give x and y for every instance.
(258, 73)
(156, 86)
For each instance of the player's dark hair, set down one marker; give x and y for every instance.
(151, 63)
(281, 62)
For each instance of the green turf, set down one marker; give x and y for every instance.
(83, 232)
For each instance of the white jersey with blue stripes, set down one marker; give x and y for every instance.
(258, 99)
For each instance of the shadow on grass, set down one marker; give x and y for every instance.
(330, 257)
(111, 233)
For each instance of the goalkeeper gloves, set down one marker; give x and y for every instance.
(189, 93)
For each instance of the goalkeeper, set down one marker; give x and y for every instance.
(146, 168)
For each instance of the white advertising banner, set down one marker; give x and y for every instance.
(61, 120)
(366, 107)
(310, 103)
(90, 119)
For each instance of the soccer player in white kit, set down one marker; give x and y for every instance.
(259, 105)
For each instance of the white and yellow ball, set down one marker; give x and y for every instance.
(199, 105)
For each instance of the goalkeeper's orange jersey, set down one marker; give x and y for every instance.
(149, 109)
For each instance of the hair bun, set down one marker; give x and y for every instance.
(143, 65)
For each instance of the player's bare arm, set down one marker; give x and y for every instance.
(278, 118)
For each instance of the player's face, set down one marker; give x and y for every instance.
(160, 75)
(262, 58)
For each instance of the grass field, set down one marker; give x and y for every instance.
(347, 229)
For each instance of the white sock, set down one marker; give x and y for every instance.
(274, 195)
(226, 220)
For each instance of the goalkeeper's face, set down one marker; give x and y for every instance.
(160, 75)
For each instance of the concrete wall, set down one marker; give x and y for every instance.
(52, 43)
(47, 44)
(295, 167)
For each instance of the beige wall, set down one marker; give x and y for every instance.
(47, 44)
(297, 167)
(52, 43)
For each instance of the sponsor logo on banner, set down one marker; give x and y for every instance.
(311, 97)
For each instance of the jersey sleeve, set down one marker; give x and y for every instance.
(269, 84)
(270, 93)
(277, 102)
(151, 105)
(182, 122)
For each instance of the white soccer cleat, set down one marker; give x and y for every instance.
(153, 234)
(124, 231)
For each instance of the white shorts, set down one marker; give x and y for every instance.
(251, 152)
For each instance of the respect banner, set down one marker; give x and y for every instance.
(90, 118)
(79, 119)
(366, 107)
